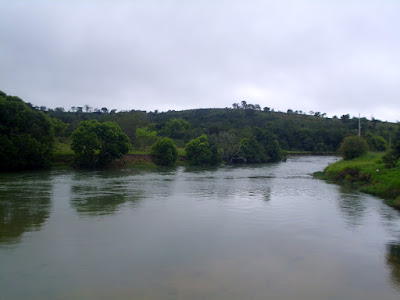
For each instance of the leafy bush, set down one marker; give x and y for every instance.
(352, 147)
(200, 152)
(164, 152)
(390, 158)
(97, 144)
(376, 143)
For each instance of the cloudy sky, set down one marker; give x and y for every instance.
(336, 57)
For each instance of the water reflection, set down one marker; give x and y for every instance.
(25, 203)
(393, 261)
(209, 234)
(252, 182)
(102, 194)
(352, 206)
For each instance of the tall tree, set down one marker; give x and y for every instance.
(97, 144)
(164, 152)
(200, 152)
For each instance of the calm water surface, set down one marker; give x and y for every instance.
(251, 232)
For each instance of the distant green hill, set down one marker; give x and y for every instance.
(294, 131)
(244, 133)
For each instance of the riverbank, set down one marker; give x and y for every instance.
(67, 160)
(311, 153)
(369, 175)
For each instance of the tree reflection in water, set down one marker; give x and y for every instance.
(393, 261)
(352, 207)
(24, 206)
(102, 196)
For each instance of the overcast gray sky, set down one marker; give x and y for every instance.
(336, 57)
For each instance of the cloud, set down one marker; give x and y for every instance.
(335, 57)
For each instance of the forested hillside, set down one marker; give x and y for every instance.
(243, 133)
(294, 131)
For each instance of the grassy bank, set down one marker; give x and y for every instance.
(368, 174)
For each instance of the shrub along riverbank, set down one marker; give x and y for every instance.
(369, 174)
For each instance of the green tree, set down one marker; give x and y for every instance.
(320, 147)
(164, 152)
(200, 152)
(59, 126)
(308, 144)
(227, 144)
(376, 142)
(396, 142)
(97, 144)
(391, 156)
(353, 147)
(145, 137)
(177, 128)
(252, 151)
(26, 136)
(261, 147)
(390, 159)
(270, 144)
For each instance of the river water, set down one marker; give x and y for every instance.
(242, 232)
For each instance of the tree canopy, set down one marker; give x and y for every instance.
(164, 152)
(375, 142)
(97, 144)
(200, 152)
(177, 128)
(295, 131)
(396, 142)
(260, 146)
(353, 147)
(145, 137)
(26, 136)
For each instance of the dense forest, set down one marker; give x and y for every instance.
(234, 132)
(26, 135)
(294, 130)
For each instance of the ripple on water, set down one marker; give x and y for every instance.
(248, 232)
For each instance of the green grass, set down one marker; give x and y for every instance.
(63, 156)
(369, 174)
(181, 151)
(137, 151)
(63, 147)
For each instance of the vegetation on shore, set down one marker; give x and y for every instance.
(369, 174)
(98, 144)
(26, 136)
(245, 133)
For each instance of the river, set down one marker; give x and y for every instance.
(234, 232)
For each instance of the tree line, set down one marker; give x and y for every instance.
(246, 133)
